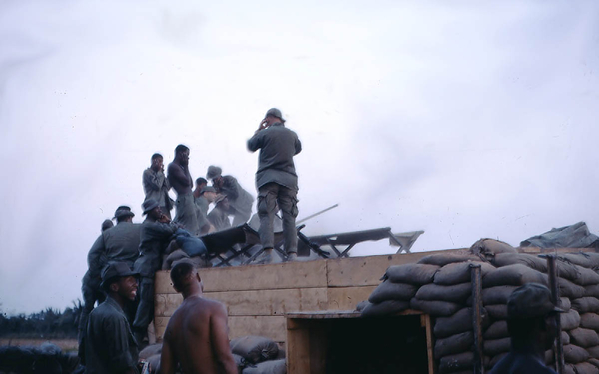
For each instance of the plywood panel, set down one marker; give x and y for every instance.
(253, 303)
(270, 326)
(367, 271)
(346, 298)
(309, 274)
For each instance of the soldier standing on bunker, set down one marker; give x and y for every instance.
(276, 180)
(206, 196)
(111, 347)
(156, 233)
(240, 200)
(92, 292)
(196, 336)
(156, 185)
(180, 179)
(532, 327)
(219, 216)
(201, 206)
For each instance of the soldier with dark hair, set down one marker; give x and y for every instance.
(156, 234)
(156, 185)
(180, 178)
(276, 180)
(532, 327)
(201, 206)
(240, 200)
(196, 337)
(111, 347)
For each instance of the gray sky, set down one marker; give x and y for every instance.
(465, 120)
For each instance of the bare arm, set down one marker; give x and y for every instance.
(178, 177)
(219, 335)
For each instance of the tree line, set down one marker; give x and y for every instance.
(46, 324)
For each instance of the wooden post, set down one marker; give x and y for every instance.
(558, 348)
(476, 281)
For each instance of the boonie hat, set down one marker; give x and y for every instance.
(115, 270)
(123, 211)
(213, 172)
(529, 301)
(148, 205)
(275, 113)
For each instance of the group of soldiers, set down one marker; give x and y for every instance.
(135, 250)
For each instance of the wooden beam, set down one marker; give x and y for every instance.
(346, 298)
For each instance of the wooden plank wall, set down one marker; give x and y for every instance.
(258, 296)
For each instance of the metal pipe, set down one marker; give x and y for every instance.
(476, 282)
(558, 348)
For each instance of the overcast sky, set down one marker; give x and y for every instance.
(463, 119)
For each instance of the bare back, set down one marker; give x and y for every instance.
(197, 338)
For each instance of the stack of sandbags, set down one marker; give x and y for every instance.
(258, 355)
(400, 284)
(446, 298)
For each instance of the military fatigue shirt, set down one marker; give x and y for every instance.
(277, 146)
(119, 243)
(239, 199)
(156, 186)
(155, 237)
(110, 346)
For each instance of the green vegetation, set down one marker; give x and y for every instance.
(47, 324)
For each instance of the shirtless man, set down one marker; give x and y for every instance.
(180, 179)
(197, 334)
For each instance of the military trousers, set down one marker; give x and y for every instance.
(269, 195)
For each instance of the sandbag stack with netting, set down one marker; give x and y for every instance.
(440, 286)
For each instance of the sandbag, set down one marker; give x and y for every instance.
(513, 275)
(443, 259)
(567, 271)
(153, 363)
(497, 294)
(565, 303)
(585, 368)
(192, 245)
(417, 274)
(456, 294)
(489, 247)
(240, 362)
(498, 311)
(150, 351)
(268, 367)
(460, 321)
(459, 272)
(590, 321)
(565, 338)
(493, 347)
(568, 369)
(586, 304)
(454, 344)
(361, 305)
(593, 352)
(569, 320)
(593, 361)
(587, 277)
(458, 362)
(569, 289)
(592, 290)
(549, 356)
(385, 308)
(497, 330)
(392, 291)
(434, 308)
(255, 348)
(531, 261)
(574, 354)
(583, 337)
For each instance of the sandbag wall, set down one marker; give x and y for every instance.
(440, 286)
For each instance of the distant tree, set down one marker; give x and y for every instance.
(46, 324)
